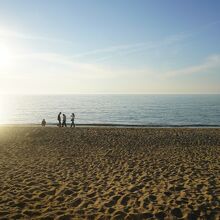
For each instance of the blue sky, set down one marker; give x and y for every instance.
(117, 46)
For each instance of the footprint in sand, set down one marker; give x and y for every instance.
(76, 202)
(124, 200)
(160, 215)
(177, 212)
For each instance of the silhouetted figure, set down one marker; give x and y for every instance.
(43, 123)
(64, 121)
(59, 119)
(72, 120)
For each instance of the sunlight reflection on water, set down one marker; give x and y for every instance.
(113, 109)
(5, 109)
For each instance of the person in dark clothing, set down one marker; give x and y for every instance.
(64, 121)
(59, 119)
(72, 120)
(43, 123)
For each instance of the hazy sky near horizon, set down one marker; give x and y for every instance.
(116, 46)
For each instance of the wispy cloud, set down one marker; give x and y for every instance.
(5, 33)
(46, 65)
(106, 53)
(111, 49)
(52, 63)
(126, 49)
(209, 63)
(101, 53)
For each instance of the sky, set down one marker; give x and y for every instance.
(109, 47)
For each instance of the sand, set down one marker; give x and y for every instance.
(109, 173)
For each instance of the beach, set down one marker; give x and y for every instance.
(109, 173)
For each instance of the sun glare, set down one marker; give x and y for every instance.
(5, 109)
(5, 55)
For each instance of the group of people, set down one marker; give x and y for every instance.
(63, 123)
(62, 120)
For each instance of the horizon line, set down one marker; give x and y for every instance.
(55, 94)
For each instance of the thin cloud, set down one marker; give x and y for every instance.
(210, 63)
(143, 46)
(133, 48)
(111, 49)
(55, 64)
(62, 64)
(24, 36)
(123, 49)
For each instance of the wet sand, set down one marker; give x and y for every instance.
(109, 173)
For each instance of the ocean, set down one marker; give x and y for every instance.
(142, 110)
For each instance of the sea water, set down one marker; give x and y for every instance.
(150, 110)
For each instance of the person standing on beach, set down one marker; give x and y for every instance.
(43, 123)
(59, 119)
(72, 120)
(64, 121)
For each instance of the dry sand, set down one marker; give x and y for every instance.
(109, 173)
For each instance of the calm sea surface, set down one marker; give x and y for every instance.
(161, 110)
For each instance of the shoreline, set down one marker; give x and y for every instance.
(112, 125)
